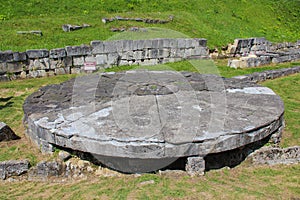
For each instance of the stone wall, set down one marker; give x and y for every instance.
(98, 55)
(255, 52)
(269, 74)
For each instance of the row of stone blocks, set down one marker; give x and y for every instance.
(102, 54)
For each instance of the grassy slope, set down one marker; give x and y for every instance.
(219, 21)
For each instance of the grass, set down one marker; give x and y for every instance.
(278, 182)
(218, 21)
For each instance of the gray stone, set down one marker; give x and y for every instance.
(82, 50)
(13, 168)
(13, 67)
(6, 134)
(19, 56)
(275, 155)
(141, 121)
(6, 56)
(64, 155)
(97, 47)
(195, 166)
(63, 70)
(58, 53)
(38, 53)
(47, 169)
(101, 59)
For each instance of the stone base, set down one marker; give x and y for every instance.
(195, 166)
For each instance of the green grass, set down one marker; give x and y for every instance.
(278, 182)
(218, 21)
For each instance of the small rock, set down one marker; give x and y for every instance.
(13, 168)
(6, 134)
(64, 156)
(147, 182)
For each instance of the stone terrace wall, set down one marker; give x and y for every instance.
(269, 74)
(255, 52)
(98, 55)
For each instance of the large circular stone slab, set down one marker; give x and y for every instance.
(140, 121)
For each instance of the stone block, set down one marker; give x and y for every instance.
(6, 56)
(4, 78)
(57, 53)
(234, 64)
(97, 47)
(164, 53)
(13, 168)
(113, 59)
(154, 44)
(90, 59)
(148, 44)
(140, 44)
(138, 55)
(166, 43)
(13, 67)
(110, 46)
(189, 43)
(195, 166)
(6, 133)
(37, 74)
(123, 63)
(3, 68)
(38, 53)
(47, 169)
(148, 62)
(101, 59)
(259, 40)
(127, 45)
(82, 50)
(19, 56)
(78, 61)
(153, 53)
(181, 43)
(76, 70)
(61, 71)
(173, 43)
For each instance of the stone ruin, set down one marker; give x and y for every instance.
(98, 55)
(142, 121)
(254, 52)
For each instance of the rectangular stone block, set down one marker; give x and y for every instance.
(166, 43)
(14, 67)
(19, 56)
(3, 68)
(110, 46)
(82, 50)
(195, 166)
(155, 44)
(138, 55)
(113, 59)
(173, 43)
(101, 59)
(164, 53)
(147, 44)
(127, 45)
(78, 61)
(97, 47)
(181, 43)
(153, 53)
(90, 59)
(189, 43)
(76, 70)
(148, 62)
(6, 56)
(37, 74)
(61, 71)
(39, 53)
(57, 53)
(141, 44)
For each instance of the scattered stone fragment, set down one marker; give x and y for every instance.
(69, 27)
(6, 134)
(47, 169)
(13, 168)
(64, 155)
(146, 20)
(39, 33)
(275, 155)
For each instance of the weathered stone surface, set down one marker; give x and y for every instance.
(46, 169)
(272, 156)
(38, 53)
(19, 56)
(82, 50)
(195, 166)
(142, 121)
(6, 134)
(57, 53)
(6, 56)
(13, 168)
